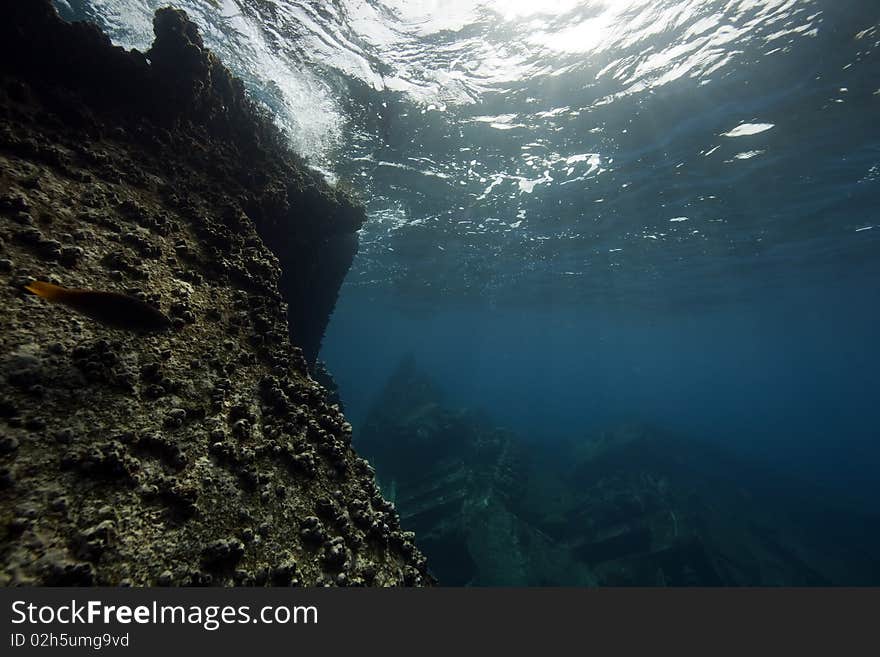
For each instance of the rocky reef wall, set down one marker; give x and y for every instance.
(178, 97)
(205, 454)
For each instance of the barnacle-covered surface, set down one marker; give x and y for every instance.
(207, 454)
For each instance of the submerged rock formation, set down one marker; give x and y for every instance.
(204, 454)
(181, 107)
(628, 506)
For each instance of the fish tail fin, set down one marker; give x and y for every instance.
(48, 291)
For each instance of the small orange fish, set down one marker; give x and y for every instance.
(110, 308)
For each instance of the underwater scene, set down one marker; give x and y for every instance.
(613, 314)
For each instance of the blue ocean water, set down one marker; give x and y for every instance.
(590, 213)
(789, 375)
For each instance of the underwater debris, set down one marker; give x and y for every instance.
(633, 505)
(110, 308)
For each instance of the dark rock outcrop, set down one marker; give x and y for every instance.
(179, 98)
(204, 454)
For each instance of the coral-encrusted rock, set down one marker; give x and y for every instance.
(310, 226)
(205, 454)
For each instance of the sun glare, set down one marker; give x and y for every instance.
(512, 9)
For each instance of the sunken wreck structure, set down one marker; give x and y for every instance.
(631, 505)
